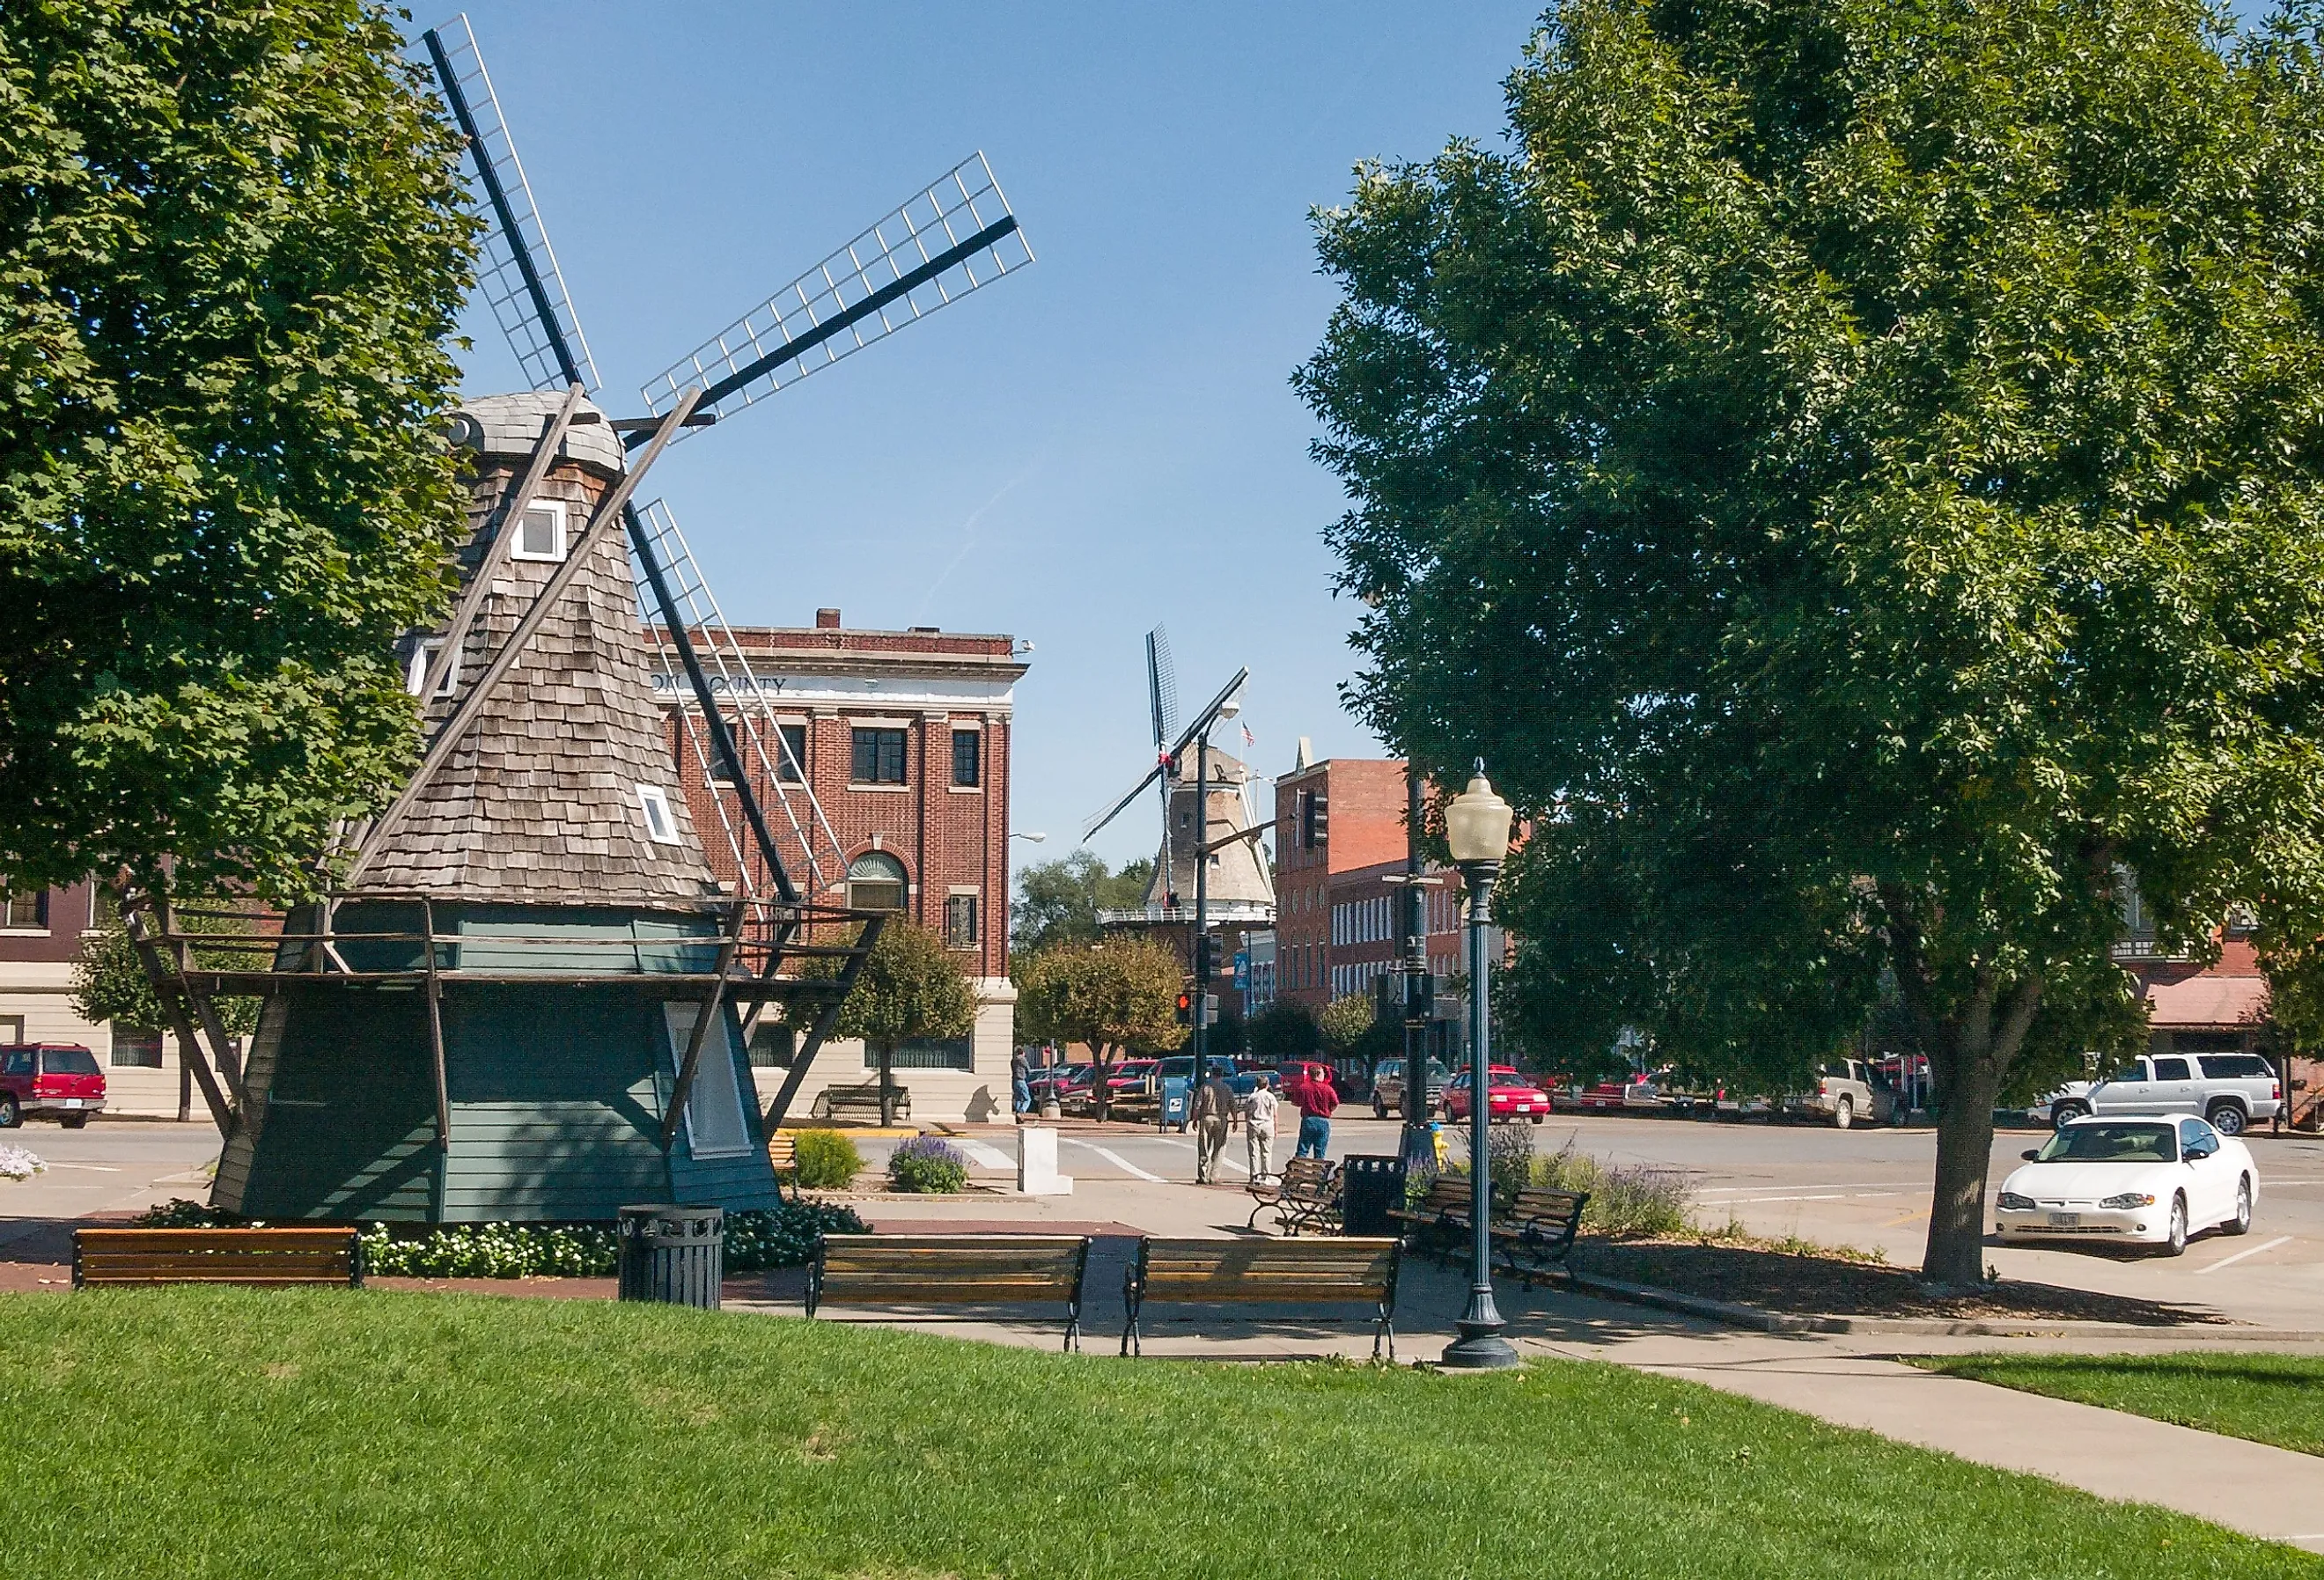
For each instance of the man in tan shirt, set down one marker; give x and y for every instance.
(1214, 1103)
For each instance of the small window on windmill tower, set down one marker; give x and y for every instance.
(541, 534)
(660, 827)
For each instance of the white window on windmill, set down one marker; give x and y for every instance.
(661, 828)
(424, 673)
(541, 535)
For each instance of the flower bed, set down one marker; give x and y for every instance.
(16, 1163)
(781, 1236)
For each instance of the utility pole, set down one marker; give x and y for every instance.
(1202, 909)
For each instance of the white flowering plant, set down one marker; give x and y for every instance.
(16, 1163)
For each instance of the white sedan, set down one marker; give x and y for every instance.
(2148, 1180)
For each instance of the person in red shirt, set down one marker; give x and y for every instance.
(1313, 1095)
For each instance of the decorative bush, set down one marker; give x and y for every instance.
(927, 1166)
(827, 1160)
(755, 1241)
(16, 1163)
(1625, 1201)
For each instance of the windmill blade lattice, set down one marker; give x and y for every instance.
(750, 714)
(935, 248)
(516, 268)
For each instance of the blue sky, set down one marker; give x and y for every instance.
(1106, 442)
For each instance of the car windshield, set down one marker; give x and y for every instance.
(2112, 1143)
(69, 1061)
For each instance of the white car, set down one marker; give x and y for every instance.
(2151, 1179)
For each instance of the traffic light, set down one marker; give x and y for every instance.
(1186, 1008)
(1206, 955)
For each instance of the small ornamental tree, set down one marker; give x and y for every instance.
(1114, 996)
(1285, 1029)
(234, 246)
(1058, 901)
(1892, 427)
(910, 987)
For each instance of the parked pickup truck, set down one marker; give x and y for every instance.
(1387, 1088)
(1848, 1090)
(2230, 1089)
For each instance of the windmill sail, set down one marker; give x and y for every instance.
(516, 269)
(928, 253)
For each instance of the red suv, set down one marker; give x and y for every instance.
(55, 1080)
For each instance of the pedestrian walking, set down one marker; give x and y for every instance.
(1317, 1101)
(1213, 1104)
(1020, 1085)
(1259, 1130)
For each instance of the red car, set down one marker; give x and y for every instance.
(1510, 1095)
(55, 1080)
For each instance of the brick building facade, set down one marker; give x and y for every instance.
(1340, 838)
(39, 939)
(904, 738)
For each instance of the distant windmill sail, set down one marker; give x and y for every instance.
(516, 270)
(935, 247)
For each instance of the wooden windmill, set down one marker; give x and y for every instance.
(528, 996)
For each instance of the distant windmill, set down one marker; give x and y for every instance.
(506, 1007)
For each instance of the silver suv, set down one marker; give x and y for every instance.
(1387, 1088)
(2231, 1090)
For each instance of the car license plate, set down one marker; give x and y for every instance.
(2065, 1220)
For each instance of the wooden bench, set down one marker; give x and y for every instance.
(914, 1271)
(1531, 1229)
(1261, 1272)
(782, 1152)
(1306, 1195)
(863, 1103)
(218, 1256)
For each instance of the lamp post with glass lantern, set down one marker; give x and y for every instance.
(1477, 828)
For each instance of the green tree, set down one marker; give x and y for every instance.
(1058, 901)
(1285, 1030)
(1353, 1033)
(1114, 996)
(911, 986)
(234, 245)
(109, 982)
(1891, 425)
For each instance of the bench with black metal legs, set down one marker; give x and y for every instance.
(1531, 1229)
(1323, 1272)
(218, 1256)
(1304, 1196)
(863, 1103)
(971, 1275)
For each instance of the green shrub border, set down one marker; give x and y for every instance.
(756, 1240)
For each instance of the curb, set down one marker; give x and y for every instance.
(1752, 1317)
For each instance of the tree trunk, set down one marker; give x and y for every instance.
(1955, 1255)
(887, 1051)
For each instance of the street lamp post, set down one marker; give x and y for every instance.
(1477, 828)
(1229, 708)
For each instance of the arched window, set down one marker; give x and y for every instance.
(875, 881)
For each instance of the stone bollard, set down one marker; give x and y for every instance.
(1037, 1163)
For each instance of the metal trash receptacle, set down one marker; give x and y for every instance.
(1369, 1186)
(675, 1255)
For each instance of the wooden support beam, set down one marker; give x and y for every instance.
(470, 708)
(173, 1005)
(823, 1022)
(436, 1025)
(684, 1086)
(221, 1046)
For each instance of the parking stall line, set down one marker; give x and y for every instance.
(984, 1152)
(2238, 1256)
(1117, 1159)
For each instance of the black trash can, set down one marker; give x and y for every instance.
(674, 1255)
(1370, 1187)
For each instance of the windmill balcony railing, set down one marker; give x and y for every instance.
(390, 939)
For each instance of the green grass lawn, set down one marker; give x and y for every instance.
(194, 1432)
(2268, 1399)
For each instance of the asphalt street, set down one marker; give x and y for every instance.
(1867, 1188)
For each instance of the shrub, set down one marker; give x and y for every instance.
(16, 1163)
(782, 1236)
(1626, 1202)
(928, 1166)
(827, 1160)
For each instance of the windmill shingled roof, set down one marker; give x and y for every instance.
(539, 802)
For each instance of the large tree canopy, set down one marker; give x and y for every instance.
(233, 245)
(1852, 469)
(1058, 901)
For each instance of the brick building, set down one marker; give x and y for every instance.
(903, 738)
(39, 939)
(1340, 838)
